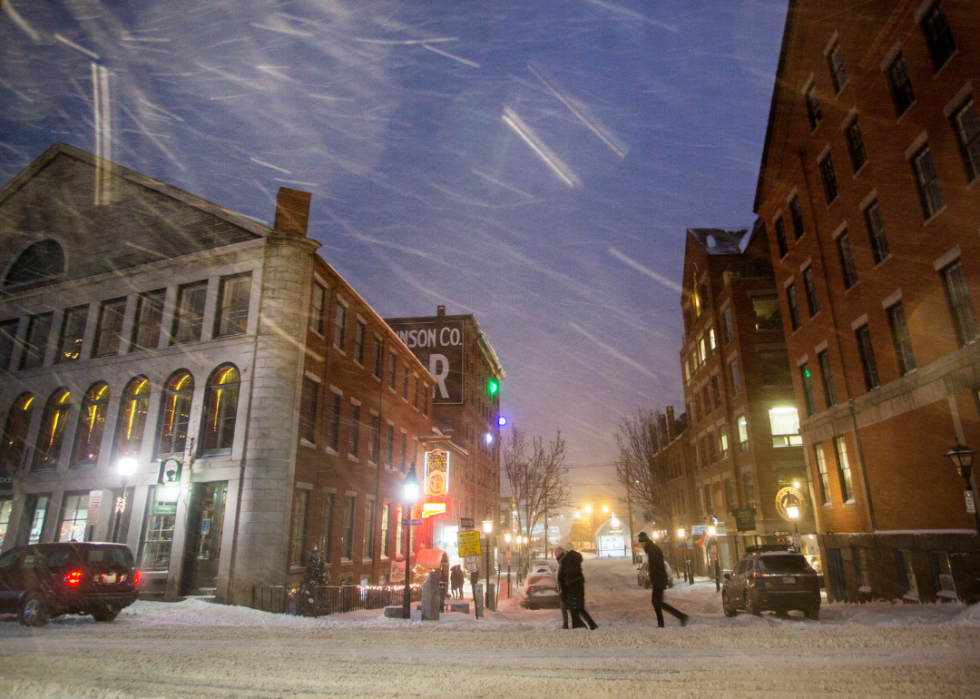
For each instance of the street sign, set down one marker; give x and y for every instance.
(797, 542)
(466, 522)
(416, 522)
(971, 505)
(94, 506)
(469, 543)
(699, 529)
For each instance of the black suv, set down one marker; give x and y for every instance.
(771, 578)
(47, 580)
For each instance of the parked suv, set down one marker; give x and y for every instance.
(643, 575)
(47, 580)
(771, 578)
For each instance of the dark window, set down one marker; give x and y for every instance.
(826, 378)
(813, 107)
(810, 286)
(794, 311)
(359, 329)
(767, 316)
(712, 449)
(231, 317)
(960, 307)
(36, 342)
(392, 367)
(939, 37)
(736, 381)
(301, 507)
(775, 368)
(716, 390)
(72, 334)
(855, 145)
(796, 213)
(8, 340)
(405, 382)
(355, 430)
(829, 178)
(378, 352)
(221, 411)
(189, 312)
(780, 227)
(339, 325)
(317, 307)
(901, 338)
(822, 471)
(52, 432)
(15, 433)
(347, 536)
(176, 414)
(307, 410)
(876, 232)
(868, 364)
(706, 394)
(808, 400)
(91, 425)
(333, 427)
(784, 564)
(148, 320)
(389, 446)
(367, 551)
(375, 439)
(108, 332)
(326, 527)
(848, 270)
(901, 85)
(132, 417)
(729, 326)
(968, 129)
(925, 176)
(835, 60)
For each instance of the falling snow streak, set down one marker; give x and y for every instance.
(541, 150)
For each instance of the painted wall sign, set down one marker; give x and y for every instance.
(438, 344)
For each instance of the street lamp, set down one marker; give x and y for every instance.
(127, 466)
(487, 529)
(962, 458)
(410, 493)
(793, 512)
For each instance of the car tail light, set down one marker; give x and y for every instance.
(73, 578)
(136, 578)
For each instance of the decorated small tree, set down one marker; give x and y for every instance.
(316, 575)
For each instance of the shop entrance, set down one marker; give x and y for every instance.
(203, 545)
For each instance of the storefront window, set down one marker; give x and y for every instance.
(160, 528)
(74, 516)
(6, 507)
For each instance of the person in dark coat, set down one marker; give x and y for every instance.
(572, 581)
(456, 578)
(562, 601)
(658, 580)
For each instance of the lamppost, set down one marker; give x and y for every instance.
(713, 533)
(127, 467)
(507, 539)
(962, 458)
(410, 492)
(488, 529)
(793, 512)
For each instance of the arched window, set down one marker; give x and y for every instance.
(132, 417)
(176, 414)
(15, 432)
(41, 263)
(91, 424)
(52, 429)
(222, 407)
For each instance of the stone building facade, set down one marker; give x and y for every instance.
(222, 363)
(868, 187)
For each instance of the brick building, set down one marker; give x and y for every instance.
(868, 187)
(260, 404)
(743, 426)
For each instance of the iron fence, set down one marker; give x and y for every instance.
(329, 599)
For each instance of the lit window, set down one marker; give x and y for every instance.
(822, 471)
(91, 424)
(844, 469)
(74, 516)
(176, 414)
(767, 318)
(52, 432)
(132, 417)
(784, 423)
(222, 411)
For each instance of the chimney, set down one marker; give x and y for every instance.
(662, 430)
(440, 311)
(671, 425)
(292, 211)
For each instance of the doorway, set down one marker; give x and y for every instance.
(204, 528)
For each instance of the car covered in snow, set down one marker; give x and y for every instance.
(541, 568)
(771, 578)
(540, 590)
(643, 575)
(43, 581)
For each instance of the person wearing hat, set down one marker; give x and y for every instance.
(571, 585)
(658, 580)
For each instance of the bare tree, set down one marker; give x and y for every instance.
(537, 475)
(641, 467)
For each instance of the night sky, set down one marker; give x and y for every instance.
(533, 162)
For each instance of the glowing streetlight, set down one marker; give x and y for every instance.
(126, 466)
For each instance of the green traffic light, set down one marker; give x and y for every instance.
(493, 387)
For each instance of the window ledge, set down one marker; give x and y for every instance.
(306, 443)
(346, 562)
(294, 568)
(852, 286)
(827, 506)
(353, 457)
(850, 503)
(907, 110)
(972, 183)
(883, 260)
(934, 216)
(317, 333)
(834, 200)
(331, 451)
(941, 68)
(861, 169)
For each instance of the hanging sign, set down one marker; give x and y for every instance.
(790, 497)
(436, 473)
(744, 519)
(165, 500)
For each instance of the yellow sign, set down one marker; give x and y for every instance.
(469, 543)
(433, 508)
(436, 473)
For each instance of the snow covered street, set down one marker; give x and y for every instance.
(198, 649)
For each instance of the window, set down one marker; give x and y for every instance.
(822, 472)
(392, 366)
(326, 527)
(15, 433)
(39, 505)
(901, 339)
(6, 507)
(862, 571)
(729, 326)
(829, 178)
(339, 325)
(307, 410)
(398, 531)
(404, 452)
(378, 352)
(968, 130)
(748, 485)
(385, 543)
(347, 535)
(189, 312)
(958, 297)
(876, 232)
(415, 393)
(712, 345)
(925, 175)
(176, 414)
(939, 37)
(687, 372)
(808, 401)
(359, 329)
(784, 423)
(716, 389)
(231, 317)
(767, 318)
(375, 439)
(74, 516)
(8, 339)
(52, 430)
(794, 311)
(108, 331)
(368, 549)
(36, 342)
(901, 86)
(813, 107)
(221, 411)
(810, 286)
(159, 537)
(868, 364)
(702, 352)
(942, 574)
(712, 449)
(775, 368)
(736, 379)
(389, 446)
(706, 392)
(297, 547)
(317, 307)
(405, 382)
(843, 469)
(835, 59)
(148, 320)
(826, 378)
(132, 417)
(355, 430)
(855, 145)
(723, 442)
(847, 268)
(91, 425)
(796, 214)
(781, 244)
(333, 427)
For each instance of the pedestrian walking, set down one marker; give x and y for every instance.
(562, 600)
(456, 579)
(658, 581)
(572, 581)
